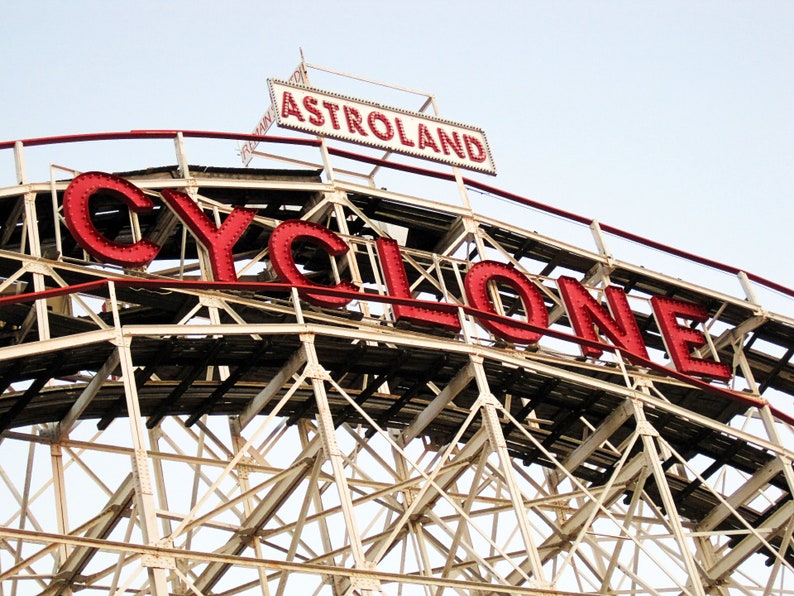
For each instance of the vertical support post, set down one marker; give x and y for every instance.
(19, 163)
(598, 236)
(159, 479)
(748, 288)
(32, 229)
(59, 488)
(329, 170)
(56, 220)
(296, 304)
(144, 492)
(32, 224)
(473, 231)
(238, 443)
(181, 155)
(325, 425)
(304, 427)
(464, 194)
(338, 200)
(604, 269)
(493, 427)
(648, 434)
(606, 584)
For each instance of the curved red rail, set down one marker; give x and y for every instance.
(169, 134)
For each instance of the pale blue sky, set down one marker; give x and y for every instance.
(673, 120)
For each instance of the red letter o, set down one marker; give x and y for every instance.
(476, 284)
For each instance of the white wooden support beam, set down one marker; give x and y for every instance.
(32, 229)
(605, 430)
(455, 236)
(748, 491)
(32, 225)
(57, 344)
(265, 510)
(73, 415)
(560, 540)
(771, 427)
(628, 518)
(630, 470)
(457, 384)
(59, 490)
(19, 163)
(80, 557)
(181, 156)
(155, 566)
(275, 384)
(449, 473)
(493, 427)
(649, 436)
(747, 287)
(737, 333)
(598, 236)
(327, 430)
(775, 524)
(249, 503)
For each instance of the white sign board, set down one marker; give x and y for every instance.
(330, 115)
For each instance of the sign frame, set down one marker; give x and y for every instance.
(247, 149)
(341, 117)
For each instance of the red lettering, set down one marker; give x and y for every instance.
(310, 103)
(585, 314)
(401, 133)
(385, 135)
(78, 219)
(280, 248)
(264, 124)
(425, 139)
(219, 242)
(476, 284)
(589, 318)
(397, 284)
(289, 107)
(448, 142)
(332, 109)
(680, 340)
(354, 120)
(474, 148)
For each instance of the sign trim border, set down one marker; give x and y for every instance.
(412, 153)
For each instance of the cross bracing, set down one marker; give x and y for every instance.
(168, 436)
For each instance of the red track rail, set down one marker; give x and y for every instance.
(169, 134)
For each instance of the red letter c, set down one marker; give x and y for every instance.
(78, 219)
(280, 248)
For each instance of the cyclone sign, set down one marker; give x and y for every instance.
(674, 318)
(357, 121)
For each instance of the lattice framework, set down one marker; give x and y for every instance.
(250, 443)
